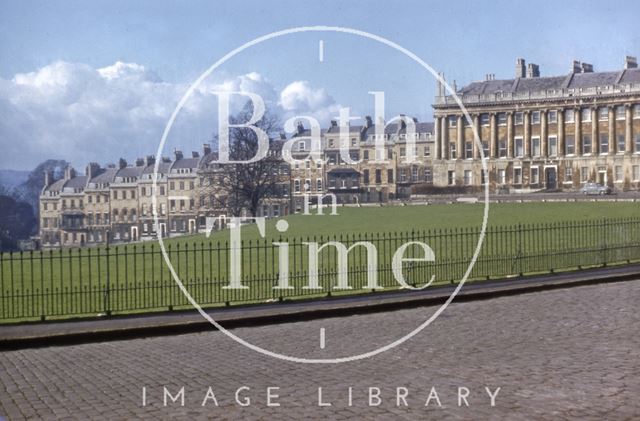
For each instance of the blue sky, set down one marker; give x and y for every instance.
(63, 110)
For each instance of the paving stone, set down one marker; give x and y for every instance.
(564, 354)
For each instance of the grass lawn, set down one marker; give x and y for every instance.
(522, 238)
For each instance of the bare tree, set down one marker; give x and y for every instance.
(247, 185)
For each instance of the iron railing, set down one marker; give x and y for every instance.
(134, 277)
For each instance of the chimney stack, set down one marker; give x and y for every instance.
(195, 154)
(300, 127)
(521, 68)
(402, 124)
(334, 123)
(206, 149)
(587, 68)
(178, 154)
(48, 177)
(92, 170)
(533, 70)
(577, 67)
(369, 121)
(151, 160)
(630, 62)
(139, 162)
(69, 173)
(122, 163)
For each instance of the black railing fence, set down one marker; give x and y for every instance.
(132, 278)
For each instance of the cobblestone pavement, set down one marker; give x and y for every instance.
(564, 354)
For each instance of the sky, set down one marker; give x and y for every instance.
(97, 80)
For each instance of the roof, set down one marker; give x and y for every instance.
(421, 127)
(106, 175)
(78, 182)
(336, 129)
(163, 168)
(186, 163)
(56, 186)
(130, 171)
(570, 81)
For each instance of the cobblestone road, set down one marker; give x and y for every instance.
(564, 354)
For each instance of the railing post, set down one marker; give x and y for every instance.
(107, 291)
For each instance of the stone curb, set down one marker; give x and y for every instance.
(32, 335)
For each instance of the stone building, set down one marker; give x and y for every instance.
(182, 177)
(124, 201)
(307, 177)
(97, 202)
(542, 132)
(148, 228)
(535, 133)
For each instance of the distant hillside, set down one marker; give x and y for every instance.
(12, 178)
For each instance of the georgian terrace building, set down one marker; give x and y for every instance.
(115, 204)
(543, 132)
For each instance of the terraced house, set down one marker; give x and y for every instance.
(538, 132)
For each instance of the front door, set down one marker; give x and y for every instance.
(602, 178)
(551, 178)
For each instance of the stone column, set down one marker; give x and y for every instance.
(527, 134)
(561, 129)
(493, 145)
(445, 137)
(628, 132)
(613, 142)
(544, 130)
(460, 140)
(578, 131)
(595, 135)
(436, 135)
(476, 124)
(510, 135)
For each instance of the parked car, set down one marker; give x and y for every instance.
(595, 188)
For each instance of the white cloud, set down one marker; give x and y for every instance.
(78, 113)
(300, 98)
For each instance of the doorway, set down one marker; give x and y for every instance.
(602, 177)
(551, 178)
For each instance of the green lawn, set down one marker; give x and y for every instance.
(522, 238)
